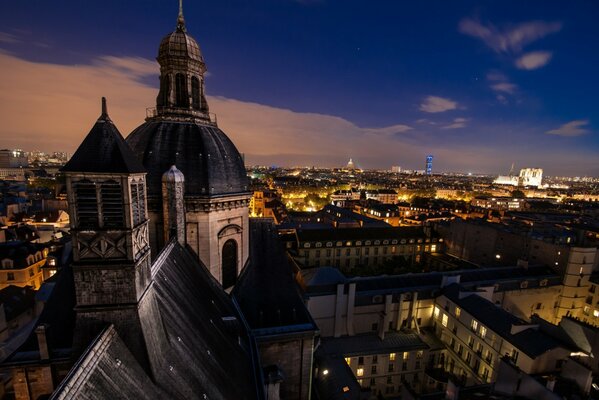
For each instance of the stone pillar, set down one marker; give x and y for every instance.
(173, 205)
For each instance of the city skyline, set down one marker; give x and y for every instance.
(315, 83)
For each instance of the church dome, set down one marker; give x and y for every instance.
(208, 159)
(179, 44)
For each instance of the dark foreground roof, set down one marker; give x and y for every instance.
(104, 151)
(267, 292)
(16, 300)
(59, 318)
(196, 343)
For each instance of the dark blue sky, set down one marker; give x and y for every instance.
(514, 78)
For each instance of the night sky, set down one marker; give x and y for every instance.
(480, 85)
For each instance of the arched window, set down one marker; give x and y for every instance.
(195, 93)
(182, 98)
(229, 264)
(165, 91)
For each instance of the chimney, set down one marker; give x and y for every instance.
(42, 342)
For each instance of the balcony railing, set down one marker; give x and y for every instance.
(152, 112)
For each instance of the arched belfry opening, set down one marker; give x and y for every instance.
(182, 98)
(229, 263)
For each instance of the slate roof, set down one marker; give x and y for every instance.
(208, 159)
(506, 278)
(370, 233)
(107, 370)
(18, 251)
(16, 300)
(266, 291)
(59, 317)
(533, 342)
(371, 343)
(103, 151)
(196, 342)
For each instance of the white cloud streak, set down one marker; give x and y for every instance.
(436, 104)
(509, 40)
(9, 38)
(533, 60)
(571, 129)
(456, 124)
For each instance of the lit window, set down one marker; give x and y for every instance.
(436, 312)
(474, 325)
(444, 320)
(483, 332)
(348, 360)
(360, 372)
(596, 313)
(433, 248)
(406, 355)
(392, 357)
(458, 312)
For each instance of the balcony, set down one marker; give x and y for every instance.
(180, 113)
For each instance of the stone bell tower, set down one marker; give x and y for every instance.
(106, 188)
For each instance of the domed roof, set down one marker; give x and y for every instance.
(173, 175)
(208, 159)
(179, 44)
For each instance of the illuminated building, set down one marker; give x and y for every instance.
(346, 248)
(13, 159)
(22, 264)
(527, 177)
(429, 165)
(384, 196)
(350, 165)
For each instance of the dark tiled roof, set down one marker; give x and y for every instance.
(266, 292)
(208, 159)
(531, 341)
(195, 338)
(370, 233)
(371, 343)
(104, 150)
(16, 300)
(339, 383)
(506, 278)
(110, 372)
(59, 317)
(18, 252)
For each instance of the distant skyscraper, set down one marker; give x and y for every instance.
(429, 165)
(396, 168)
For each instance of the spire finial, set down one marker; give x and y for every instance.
(104, 109)
(180, 18)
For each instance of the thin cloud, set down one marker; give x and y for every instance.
(533, 60)
(389, 130)
(509, 40)
(496, 76)
(9, 38)
(63, 101)
(505, 87)
(436, 104)
(501, 85)
(571, 129)
(456, 124)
